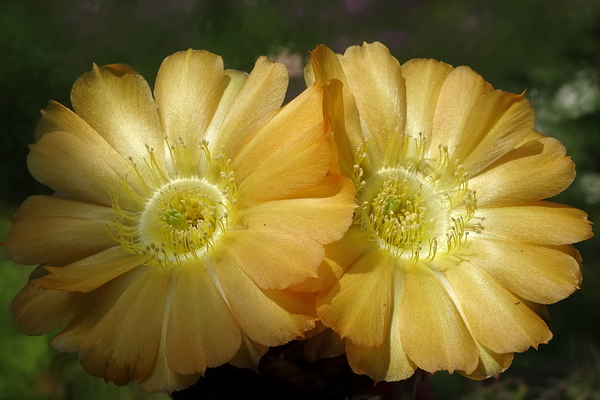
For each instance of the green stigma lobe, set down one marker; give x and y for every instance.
(175, 219)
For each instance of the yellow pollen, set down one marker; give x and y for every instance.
(189, 209)
(409, 206)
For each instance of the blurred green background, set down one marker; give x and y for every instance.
(550, 48)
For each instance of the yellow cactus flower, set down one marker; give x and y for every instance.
(452, 255)
(181, 220)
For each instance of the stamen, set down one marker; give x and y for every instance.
(410, 202)
(185, 216)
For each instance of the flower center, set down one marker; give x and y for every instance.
(187, 212)
(413, 207)
(182, 221)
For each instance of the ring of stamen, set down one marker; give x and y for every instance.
(189, 210)
(410, 207)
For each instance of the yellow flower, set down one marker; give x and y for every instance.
(452, 254)
(182, 219)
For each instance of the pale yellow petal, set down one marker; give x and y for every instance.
(201, 331)
(273, 260)
(323, 218)
(288, 314)
(91, 272)
(379, 363)
(164, 379)
(358, 306)
(249, 354)
(38, 311)
(99, 303)
(532, 135)
(537, 273)
(325, 344)
(536, 170)
(55, 206)
(255, 104)
(537, 222)
(490, 364)
(57, 117)
(117, 102)
(231, 84)
(497, 318)
(338, 257)
(539, 309)
(423, 79)
(123, 344)
(188, 89)
(57, 238)
(300, 165)
(432, 331)
(67, 164)
(375, 80)
(388, 362)
(460, 91)
(495, 125)
(299, 116)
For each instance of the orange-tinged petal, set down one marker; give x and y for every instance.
(255, 104)
(537, 273)
(67, 164)
(273, 260)
(325, 65)
(288, 314)
(38, 311)
(432, 331)
(123, 344)
(117, 102)
(91, 272)
(323, 218)
(201, 331)
(339, 105)
(358, 306)
(375, 80)
(54, 239)
(460, 91)
(537, 222)
(497, 318)
(188, 90)
(292, 122)
(333, 109)
(300, 165)
(423, 80)
(536, 170)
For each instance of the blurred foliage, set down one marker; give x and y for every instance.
(551, 48)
